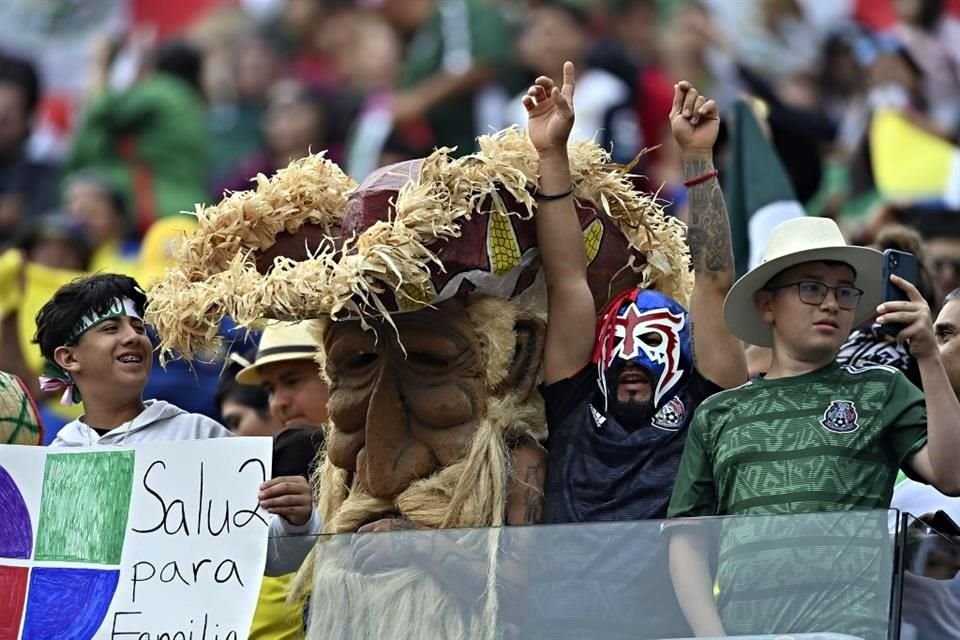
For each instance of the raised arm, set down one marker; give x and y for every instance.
(718, 353)
(936, 461)
(570, 329)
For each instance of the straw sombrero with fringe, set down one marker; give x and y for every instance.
(309, 243)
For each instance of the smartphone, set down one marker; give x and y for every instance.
(903, 264)
(944, 524)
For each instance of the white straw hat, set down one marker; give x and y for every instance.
(279, 342)
(791, 243)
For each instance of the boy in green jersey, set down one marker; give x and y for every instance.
(810, 436)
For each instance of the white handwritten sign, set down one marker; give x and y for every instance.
(161, 541)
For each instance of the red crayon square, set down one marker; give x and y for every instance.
(13, 593)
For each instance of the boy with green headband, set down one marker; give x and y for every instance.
(97, 349)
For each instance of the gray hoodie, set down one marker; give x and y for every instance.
(159, 422)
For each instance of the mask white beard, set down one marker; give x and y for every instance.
(400, 604)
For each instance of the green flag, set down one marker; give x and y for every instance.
(757, 190)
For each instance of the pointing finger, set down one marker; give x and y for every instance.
(569, 81)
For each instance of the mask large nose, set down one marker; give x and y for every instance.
(391, 458)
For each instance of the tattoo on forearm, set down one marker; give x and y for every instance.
(709, 228)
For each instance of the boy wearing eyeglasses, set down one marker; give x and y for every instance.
(810, 436)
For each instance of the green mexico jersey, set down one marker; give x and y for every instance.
(822, 443)
(831, 439)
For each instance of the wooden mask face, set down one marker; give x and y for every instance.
(400, 417)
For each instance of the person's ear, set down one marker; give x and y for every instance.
(66, 359)
(527, 359)
(763, 301)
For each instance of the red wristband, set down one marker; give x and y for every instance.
(699, 179)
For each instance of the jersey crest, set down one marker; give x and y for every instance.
(670, 417)
(840, 417)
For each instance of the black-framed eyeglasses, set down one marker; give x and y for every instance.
(816, 292)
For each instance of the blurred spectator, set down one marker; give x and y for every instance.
(698, 50)
(293, 126)
(55, 242)
(941, 237)
(95, 205)
(26, 185)
(944, 259)
(156, 251)
(305, 27)
(635, 24)
(286, 368)
(235, 123)
(931, 38)
(50, 253)
(840, 77)
(457, 48)
(555, 32)
(245, 408)
(151, 138)
(240, 66)
(375, 138)
(776, 38)
(220, 36)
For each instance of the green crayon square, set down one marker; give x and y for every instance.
(84, 507)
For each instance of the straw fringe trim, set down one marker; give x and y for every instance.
(215, 275)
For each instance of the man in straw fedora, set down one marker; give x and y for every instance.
(809, 436)
(285, 366)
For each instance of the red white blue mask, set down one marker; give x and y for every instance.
(650, 330)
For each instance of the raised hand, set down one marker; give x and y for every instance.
(915, 316)
(695, 121)
(550, 112)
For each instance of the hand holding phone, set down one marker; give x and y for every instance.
(904, 313)
(903, 264)
(943, 523)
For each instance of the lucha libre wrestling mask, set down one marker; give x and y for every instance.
(650, 330)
